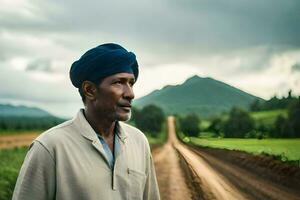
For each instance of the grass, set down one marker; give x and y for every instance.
(19, 132)
(157, 140)
(268, 117)
(204, 124)
(11, 161)
(286, 149)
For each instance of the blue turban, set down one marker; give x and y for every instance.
(102, 61)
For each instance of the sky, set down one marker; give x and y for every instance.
(252, 45)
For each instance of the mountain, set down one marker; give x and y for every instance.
(204, 96)
(7, 110)
(18, 118)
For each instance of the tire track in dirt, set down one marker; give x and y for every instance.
(170, 177)
(213, 185)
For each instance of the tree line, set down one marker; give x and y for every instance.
(240, 124)
(149, 119)
(273, 103)
(28, 123)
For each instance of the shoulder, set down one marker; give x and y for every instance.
(132, 131)
(56, 134)
(134, 134)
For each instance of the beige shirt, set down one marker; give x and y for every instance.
(68, 162)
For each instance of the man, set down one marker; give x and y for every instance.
(93, 156)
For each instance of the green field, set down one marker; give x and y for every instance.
(268, 118)
(19, 132)
(287, 149)
(11, 161)
(157, 140)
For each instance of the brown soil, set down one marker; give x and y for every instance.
(222, 174)
(251, 175)
(11, 141)
(266, 166)
(192, 180)
(171, 178)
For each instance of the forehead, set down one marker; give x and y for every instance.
(122, 75)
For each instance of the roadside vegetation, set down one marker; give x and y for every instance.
(18, 124)
(271, 127)
(11, 161)
(19, 132)
(151, 120)
(282, 149)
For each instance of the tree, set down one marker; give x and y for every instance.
(279, 126)
(238, 124)
(150, 119)
(216, 126)
(190, 125)
(255, 105)
(134, 114)
(294, 117)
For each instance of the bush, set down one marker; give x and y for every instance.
(190, 125)
(150, 119)
(238, 124)
(216, 126)
(294, 117)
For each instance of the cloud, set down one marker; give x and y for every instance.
(166, 28)
(296, 67)
(40, 65)
(228, 40)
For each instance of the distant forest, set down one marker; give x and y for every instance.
(240, 123)
(28, 123)
(274, 103)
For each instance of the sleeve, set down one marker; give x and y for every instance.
(151, 191)
(36, 179)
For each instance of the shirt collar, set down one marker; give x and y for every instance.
(88, 132)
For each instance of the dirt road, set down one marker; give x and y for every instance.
(216, 179)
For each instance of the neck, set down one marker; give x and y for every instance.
(101, 125)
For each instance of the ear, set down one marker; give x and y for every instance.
(89, 90)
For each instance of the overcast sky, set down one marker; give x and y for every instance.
(252, 45)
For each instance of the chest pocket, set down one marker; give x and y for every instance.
(137, 183)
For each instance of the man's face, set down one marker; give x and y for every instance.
(114, 97)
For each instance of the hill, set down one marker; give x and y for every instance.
(204, 96)
(22, 111)
(19, 118)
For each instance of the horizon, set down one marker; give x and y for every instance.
(50, 111)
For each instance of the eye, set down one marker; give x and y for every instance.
(131, 83)
(117, 82)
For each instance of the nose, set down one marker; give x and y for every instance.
(128, 93)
